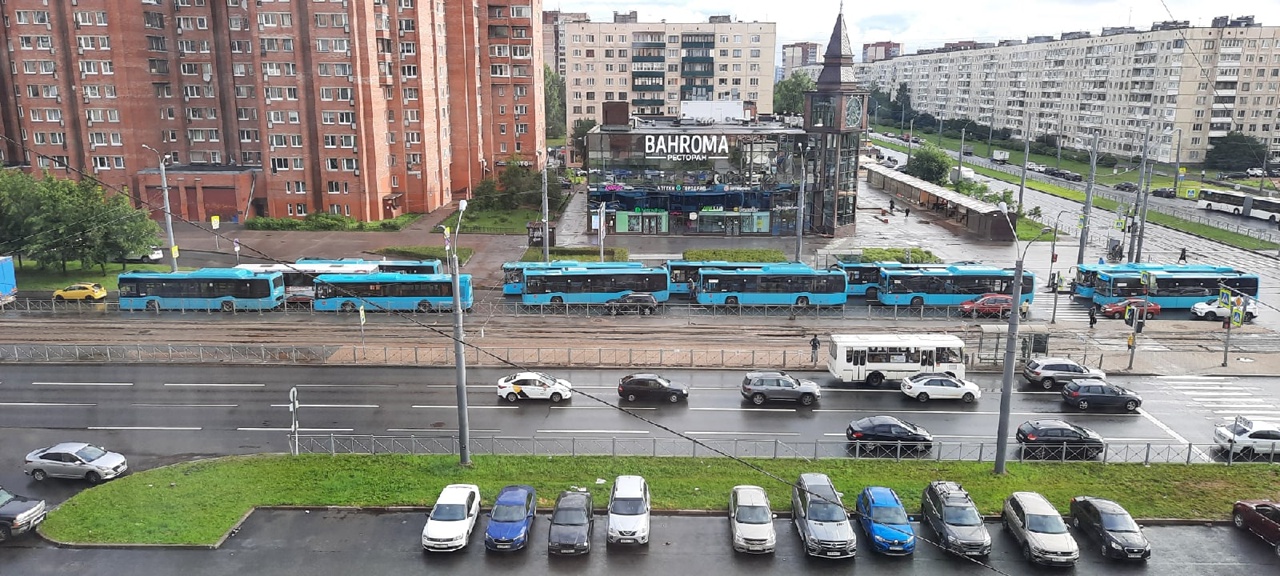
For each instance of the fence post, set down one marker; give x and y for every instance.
(1190, 448)
(1105, 453)
(775, 448)
(982, 446)
(735, 447)
(613, 447)
(333, 448)
(573, 446)
(655, 445)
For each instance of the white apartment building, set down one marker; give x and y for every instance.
(1189, 83)
(655, 66)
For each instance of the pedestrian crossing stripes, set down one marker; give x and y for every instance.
(1224, 397)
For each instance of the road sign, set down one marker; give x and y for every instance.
(1120, 224)
(215, 221)
(1237, 317)
(237, 241)
(362, 314)
(174, 250)
(1224, 297)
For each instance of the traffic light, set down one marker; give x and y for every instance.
(1055, 257)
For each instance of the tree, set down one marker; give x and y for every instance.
(580, 128)
(1235, 152)
(903, 102)
(19, 205)
(485, 196)
(929, 163)
(516, 183)
(788, 95)
(131, 232)
(553, 92)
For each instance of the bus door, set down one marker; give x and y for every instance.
(853, 368)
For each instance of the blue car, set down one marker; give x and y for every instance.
(885, 521)
(511, 518)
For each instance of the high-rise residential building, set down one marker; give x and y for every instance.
(1189, 84)
(656, 65)
(553, 40)
(271, 107)
(799, 54)
(877, 51)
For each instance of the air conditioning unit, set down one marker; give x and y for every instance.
(80, 51)
(357, 172)
(351, 79)
(179, 30)
(93, 146)
(270, 124)
(89, 122)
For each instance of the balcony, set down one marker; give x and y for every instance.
(697, 59)
(648, 58)
(647, 74)
(697, 44)
(698, 73)
(647, 102)
(648, 87)
(648, 44)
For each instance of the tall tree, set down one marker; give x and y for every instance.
(902, 102)
(1235, 151)
(929, 163)
(580, 128)
(126, 230)
(19, 206)
(553, 92)
(519, 185)
(788, 95)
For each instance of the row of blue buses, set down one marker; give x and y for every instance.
(1087, 274)
(1171, 289)
(683, 274)
(949, 286)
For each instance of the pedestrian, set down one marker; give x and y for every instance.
(1182, 257)
(1025, 309)
(1093, 316)
(891, 206)
(813, 348)
(906, 212)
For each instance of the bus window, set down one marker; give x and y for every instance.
(926, 358)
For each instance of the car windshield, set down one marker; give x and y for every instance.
(888, 515)
(90, 453)
(826, 512)
(753, 515)
(508, 513)
(5, 496)
(1237, 430)
(449, 512)
(627, 506)
(663, 381)
(1046, 524)
(1118, 523)
(961, 516)
(570, 517)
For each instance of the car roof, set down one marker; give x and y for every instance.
(574, 498)
(1044, 424)
(641, 375)
(882, 496)
(1090, 382)
(751, 496)
(1055, 360)
(456, 493)
(763, 374)
(1105, 506)
(628, 486)
(66, 447)
(513, 494)
(878, 420)
(1034, 503)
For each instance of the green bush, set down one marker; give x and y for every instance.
(736, 255)
(423, 253)
(918, 255)
(265, 223)
(326, 221)
(585, 254)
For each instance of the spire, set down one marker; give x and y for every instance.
(837, 62)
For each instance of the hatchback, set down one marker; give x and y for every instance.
(1213, 310)
(1045, 438)
(1049, 371)
(81, 291)
(988, 305)
(1126, 187)
(926, 387)
(651, 387)
(511, 519)
(1164, 193)
(751, 521)
(1109, 524)
(75, 460)
(1143, 306)
(1093, 393)
(883, 518)
(641, 303)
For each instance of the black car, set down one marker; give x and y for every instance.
(1046, 438)
(1232, 175)
(1071, 176)
(1057, 172)
(947, 508)
(571, 524)
(1164, 193)
(1111, 527)
(651, 387)
(889, 433)
(18, 515)
(1126, 187)
(1093, 393)
(1273, 172)
(641, 303)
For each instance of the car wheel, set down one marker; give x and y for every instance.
(922, 397)
(757, 399)
(1130, 406)
(1114, 315)
(968, 398)
(1211, 316)
(1026, 552)
(646, 311)
(38, 475)
(875, 379)
(512, 397)
(1046, 383)
(1238, 520)
(1004, 523)
(59, 298)
(556, 397)
(806, 399)
(1150, 315)
(4, 533)
(1277, 545)
(1083, 404)
(1075, 521)
(93, 477)
(1248, 316)
(673, 398)
(631, 397)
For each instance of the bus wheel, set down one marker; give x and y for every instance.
(873, 293)
(153, 305)
(918, 302)
(424, 306)
(228, 306)
(875, 379)
(1236, 211)
(731, 301)
(802, 301)
(348, 307)
(557, 300)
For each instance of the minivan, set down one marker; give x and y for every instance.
(821, 519)
(629, 511)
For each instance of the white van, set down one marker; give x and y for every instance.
(629, 511)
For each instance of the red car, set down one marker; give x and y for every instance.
(1116, 309)
(988, 305)
(1262, 517)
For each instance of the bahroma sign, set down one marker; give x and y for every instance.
(686, 147)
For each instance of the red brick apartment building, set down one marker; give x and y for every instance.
(370, 108)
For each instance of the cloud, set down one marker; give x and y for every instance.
(883, 23)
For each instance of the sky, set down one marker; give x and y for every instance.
(918, 24)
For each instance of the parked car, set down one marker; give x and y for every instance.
(1071, 176)
(82, 291)
(1232, 175)
(511, 520)
(1039, 530)
(1214, 310)
(1262, 517)
(1164, 193)
(1049, 371)
(988, 305)
(883, 518)
(751, 521)
(1247, 437)
(571, 524)
(820, 518)
(1256, 172)
(1145, 307)
(452, 518)
(651, 387)
(949, 511)
(889, 432)
(761, 387)
(534, 386)
(642, 303)
(929, 386)
(1046, 438)
(75, 460)
(1110, 525)
(148, 256)
(1126, 187)
(1273, 172)
(1093, 393)
(629, 511)
(18, 515)
(1034, 167)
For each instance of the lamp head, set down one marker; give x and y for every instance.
(1003, 207)
(462, 206)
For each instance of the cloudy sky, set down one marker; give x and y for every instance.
(928, 23)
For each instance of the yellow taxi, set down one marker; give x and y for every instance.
(81, 291)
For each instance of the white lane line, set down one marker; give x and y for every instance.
(1170, 431)
(1232, 418)
(186, 405)
(212, 385)
(1249, 406)
(300, 429)
(82, 383)
(1242, 412)
(592, 431)
(165, 428)
(1205, 395)
(444, 430)
(746, 409)
(1194, 378)
(43, 404)
(347, 385)
(624, 407)
(693, 433)
(452, 407)
(1205, 388)
(977, 413)
(327, 406)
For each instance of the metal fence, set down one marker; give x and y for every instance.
(1118, 453)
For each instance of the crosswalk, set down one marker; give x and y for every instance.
(1069, 310)
(1225, 397)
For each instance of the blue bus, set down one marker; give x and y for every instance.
(950, 286)
(684, 273)
(390, 291)
(863, 278)
(403, 266)
(1172, 289)
(1087, 274)
(226, 289)
(592, 285)
(513, 272)
(774, 285)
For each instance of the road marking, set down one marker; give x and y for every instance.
(976, 413)
(186, 405)
(1200, 395)
(447, 430)
(168, 428)
(299, 430)
(1253, 406)
(592, 431)
(348, 385)
(82, 383)
(212, 385)
(43, 404)
(603, 407)
(327, 406)
(692, 433)
(1167, 430)
(1192, 378)
(746, 409)
(452, 407)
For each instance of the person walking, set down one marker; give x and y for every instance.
(1025, 309)
(1093, 317)
(891, 206)
(813, 348)
(1182, 256)
(906, 212)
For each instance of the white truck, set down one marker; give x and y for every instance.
(1000, 156)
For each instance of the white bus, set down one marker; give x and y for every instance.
(1224, 201)
(874, 358)
(300, 278)
(1264, 208)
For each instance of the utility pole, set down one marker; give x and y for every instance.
(601, 229)
(1088, 199)
(459, 346)
(1059, 141)
(1142, 224)
(941, 125)
(960, 153)
(546, 225)
(168, 214)
(804, 178)
(1142, 171)
(911, 136)
(1026, 157)
(1244, 313)
(1177, 165)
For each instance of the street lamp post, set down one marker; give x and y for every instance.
(546, 226)
(960, 154)
(804, 178)
(1026, 156)
(168, 215)
(910, 136)
(1177, 164)
(459, 348)
(1053, 259)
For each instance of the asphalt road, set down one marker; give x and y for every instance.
(325, 543)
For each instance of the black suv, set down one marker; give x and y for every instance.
(949, 511)
(18, 515)
(1071, 176)
(1093, 393)
(641, 303)
(1164, 193)
(1126, 187)
(651, 386)
(1045, 438)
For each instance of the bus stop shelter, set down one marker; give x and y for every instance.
(1033, 340)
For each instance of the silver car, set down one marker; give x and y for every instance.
(1050, 371)
(761, 387)
(75, 460)
(1039, 530)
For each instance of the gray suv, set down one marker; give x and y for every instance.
(1039, 530)
(949, 511)
(761, 387)
(1050, 371)
(821, 518)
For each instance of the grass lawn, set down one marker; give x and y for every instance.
(496, 221)
(553, 142)
(30, 277)
(197, 502)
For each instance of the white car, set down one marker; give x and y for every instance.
(1247, 437)
(1213, 310)
(629, 511)
(751, 521)
(534, 386)
(1033, 167)
(1255, 172)
(926, 387)
(452, 519)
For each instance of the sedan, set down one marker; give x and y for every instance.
(1093, 393)
(926, 387)
(452, 518)
(651, 387)
(988, 305)
(75, 460)
(1042, 438)
(511, 519)
(534, 386)
(1126, 187)
(1117, 309)
(888, 432)
(1213, 310)
(82, 291)
(1262, 517)
(1117, 535)
(751, 521)
(571, 524)
(1164, 193)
